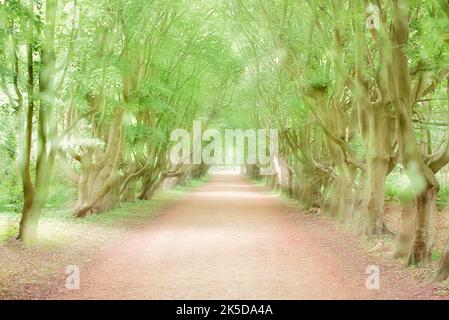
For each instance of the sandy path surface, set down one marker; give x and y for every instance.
(229, 239)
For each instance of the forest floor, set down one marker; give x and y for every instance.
(226, 239)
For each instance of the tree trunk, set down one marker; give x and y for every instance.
(334, 196)
(33, 206)
(100, 172)
(373, 219)
(443, 269)
(405, 234)
(48, 143)
(130, 192)
(28, 223)
(422, 244)
(150, 188)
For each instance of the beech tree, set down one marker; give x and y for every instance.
(99, 87)
(358, 91)
(367, 92)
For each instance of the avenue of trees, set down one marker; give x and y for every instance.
(93, 89)
(359, 91)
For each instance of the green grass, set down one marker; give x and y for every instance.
(260, 181)
(58, 226)
(443, 196)
(66, 240)
(394, 189)
(436, 255)
(391, 191)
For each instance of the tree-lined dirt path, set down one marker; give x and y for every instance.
(229, 239)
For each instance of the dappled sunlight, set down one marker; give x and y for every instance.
(185, 237)
(186, 125)
(60, 234)
(7, 227)
(234, 195)
(235, 186)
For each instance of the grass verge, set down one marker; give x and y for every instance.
(40, 271)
